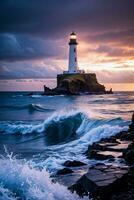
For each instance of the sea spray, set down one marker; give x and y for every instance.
(66, 136)
(90, 130)
(19, 180)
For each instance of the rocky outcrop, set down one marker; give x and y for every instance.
(74, 84)
(128, 154)
(105, 180)
(110, 148)
(73, 163)
(64, 171)
(101, 181)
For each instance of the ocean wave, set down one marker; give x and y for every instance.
(66, 135)
(64, 126)
(19, 180)
(90, 131)
(61, 125)
(31, 107)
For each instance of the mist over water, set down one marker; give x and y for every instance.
(44, 131)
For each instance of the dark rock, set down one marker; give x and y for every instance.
(133, 118)
(131, 128)
(100, 166)
(101, 183)
(112, 139)
(99, 156)
(64, 171)
(71, 178)
(73, 163)
(107, 149)
(75, 84)
(128, 154)
(119, 147)
(126, 135)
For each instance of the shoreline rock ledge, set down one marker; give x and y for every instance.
(75, 84)
(111, 176)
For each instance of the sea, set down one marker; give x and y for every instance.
(39, 133)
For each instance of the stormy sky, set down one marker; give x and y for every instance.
(34, 38)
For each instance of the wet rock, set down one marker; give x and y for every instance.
(126, 135)
(73, 163)
(128, 154)
(64, 171)
(98, 156)
(119, 147)
(107, 149)
(102, 181)
(112, 139)
(71, 178)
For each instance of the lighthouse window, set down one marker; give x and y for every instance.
(74, 50)
(75, 59)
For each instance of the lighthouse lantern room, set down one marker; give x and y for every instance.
(73, 63)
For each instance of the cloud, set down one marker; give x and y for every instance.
(120, 37)
(21, 47)
(114, 51)
(106, 76)
(37, 30)
(16, 70)
(53, 18)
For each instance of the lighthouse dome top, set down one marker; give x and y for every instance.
(73, 35)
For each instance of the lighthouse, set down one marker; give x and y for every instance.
(73, 64)
(73, 61)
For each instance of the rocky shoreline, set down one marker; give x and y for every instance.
(104, 180)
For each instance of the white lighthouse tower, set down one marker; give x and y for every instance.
(73, 62)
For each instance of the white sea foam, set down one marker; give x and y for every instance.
(61, 126)
(89, 131)
(26, 128)
(18, 179)
(21, 128)
(36, 96)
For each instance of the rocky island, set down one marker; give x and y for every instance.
(75, 81)
(75, 84)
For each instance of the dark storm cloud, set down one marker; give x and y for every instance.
(50, 18)
(55, 19)
(122, 37)
(38, 29)
(22, 47)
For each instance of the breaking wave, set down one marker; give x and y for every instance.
(68, 136)
(60, 124)
(19, 180)
(64, 126)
